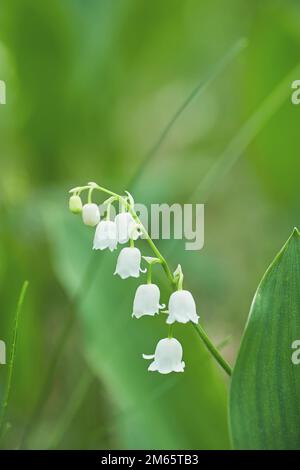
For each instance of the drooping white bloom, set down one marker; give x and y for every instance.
(146, 300)
(105, 236)
(182, 308)
(90, 214)
(126, 227)
(75, 204)
(129, 263)
(167, 357)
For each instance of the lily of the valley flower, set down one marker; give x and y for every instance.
(105, 236)
(126, 227)
(167, 357)
(90, 214)
(146, 301)
(129, 263)
(182, 308)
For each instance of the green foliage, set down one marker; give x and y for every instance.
(91, 85)
(264, 393)
(277, 33)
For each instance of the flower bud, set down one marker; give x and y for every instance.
(75, 204)
(90, 214)
(167, 357)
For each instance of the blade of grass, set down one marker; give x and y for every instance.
(6, 397)
(240, 142)
(245, 136)
(224, 342)
(199, 89)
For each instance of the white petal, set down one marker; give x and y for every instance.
(146, 300)
(153, 366)
(179, 367)
(105, 236)
(148, 356)
(128, 263)
(90, 214)
(165, 366)
(127, 228)
(122, 223)
(168, 357)
(134, 231)
(182, 308)
(170, 319)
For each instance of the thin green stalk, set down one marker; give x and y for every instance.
(90, 195)
(199, 89)
(170, 331)
(238, 145)
(149, 274)
(213, 350)
(156, 251)
(12, 357)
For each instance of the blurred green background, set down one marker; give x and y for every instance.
(91, 85)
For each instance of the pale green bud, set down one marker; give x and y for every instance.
(75, 204)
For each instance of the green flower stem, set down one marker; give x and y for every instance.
(90, 195)
(212, 349)
(155, 250)
(180, 281)
(170, 333)
(149, 274)
(173, 279)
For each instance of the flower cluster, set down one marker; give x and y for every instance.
(126, 228)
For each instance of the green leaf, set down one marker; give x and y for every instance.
(265, 388)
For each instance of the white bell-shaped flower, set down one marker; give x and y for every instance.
(90, 214)
(182, 308)
(146, 300)
(129, 263)
(126, 227)
(105, 236)
(167, 357)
